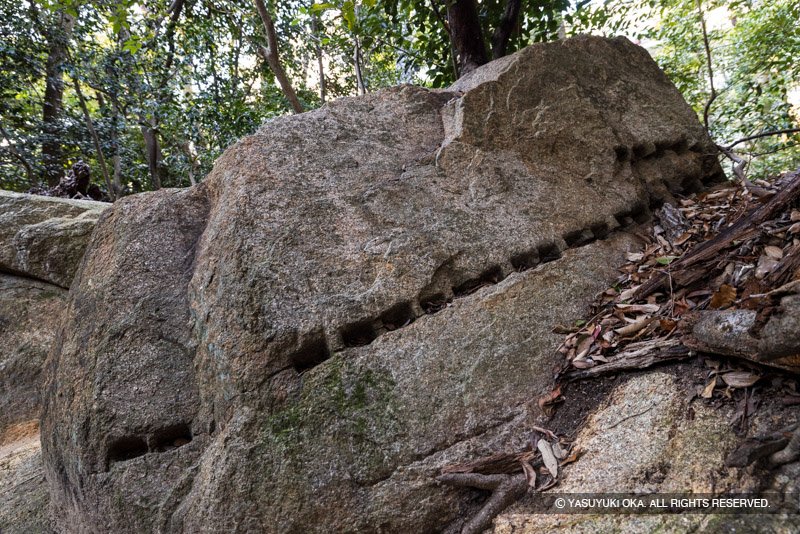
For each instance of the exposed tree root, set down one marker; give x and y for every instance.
(506, 490)
(790, 453)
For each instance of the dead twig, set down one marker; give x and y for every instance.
(630, 417)
(270, 53)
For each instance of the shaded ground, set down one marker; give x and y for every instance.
(23, 490)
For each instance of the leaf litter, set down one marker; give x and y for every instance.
(723, 249)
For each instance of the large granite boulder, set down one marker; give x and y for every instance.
(355, 297)
(30, 315)
(44, 237)
(24, 494)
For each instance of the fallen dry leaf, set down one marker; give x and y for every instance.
(638, 308)
(584, 346)
(667, 325)
(559, 451)
(530, 474)
(724, 297)
(549, 459)
(765, 266)
(683, 238)
(574, 456)
(740, 379)
(708, 391)
(547, 400)
(632, 328)
(582, 364)
(628, 293)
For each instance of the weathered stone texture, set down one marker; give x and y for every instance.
(44, 237)
(355, 297)
(23, 490)
(30, 314)
(41, 244)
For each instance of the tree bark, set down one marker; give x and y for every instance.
(446, 26)
(152, 149)
(270, 53)
(466, 35)
(116, 159)
(360, 87)
(58, 36)
(95, 139)
(502, 34)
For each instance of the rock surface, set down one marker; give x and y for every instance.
(355, 297)
(42, 242)
(43, 237)
(650, 437)
(30, 314)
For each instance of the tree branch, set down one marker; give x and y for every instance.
(762, 134)
(175, 12)
(708, 64)
(738, 163)
(439, 16)
(96, 140)
(270, 53)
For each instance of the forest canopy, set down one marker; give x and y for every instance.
(149, 93)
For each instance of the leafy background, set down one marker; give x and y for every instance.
(198, 83)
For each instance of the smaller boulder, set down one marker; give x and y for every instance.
(45, 237)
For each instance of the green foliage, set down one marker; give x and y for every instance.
(196, 81)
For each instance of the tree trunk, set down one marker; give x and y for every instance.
(116, 159)
(360, 87)
(502, 34)
(152, 149)
(466, 35)
(270, 53)
(101, 160)
(58, 37)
